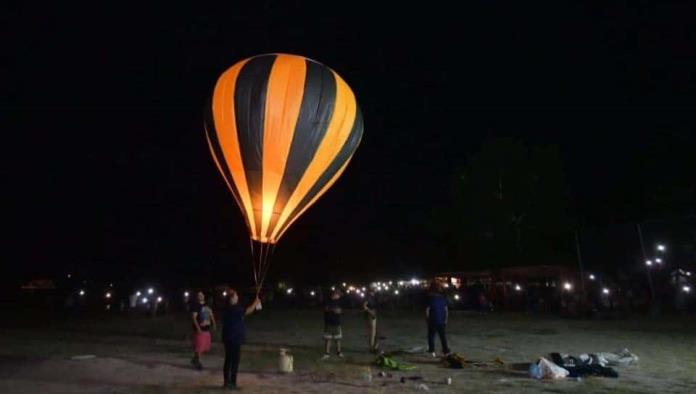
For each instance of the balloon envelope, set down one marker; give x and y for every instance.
(281, 130)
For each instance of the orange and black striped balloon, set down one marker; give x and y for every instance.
(282, 129)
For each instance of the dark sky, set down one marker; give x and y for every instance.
(108, 170)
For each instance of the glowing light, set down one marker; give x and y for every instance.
(107, 295)
(658, 260)
(648, 262)
(396, 292)
(186, 294)
(224, 293)
(363, 289)
(401, 283)
(289, 291)
(159, 299)
(362, 295)
(568, 286)
(351, 288)
(144, 300)
(333, 288)
(518, 287)
(592, 277)
(414, 281)
(391, 283)
(661, 247)
(344, 284)
(111, 285)
(446, 285)
(150, 290)
(69, 276)
(456, 296)
(82, 292)
(686, 289)
(312, 293)
(137, 294)
(605, 290)
(688, 273)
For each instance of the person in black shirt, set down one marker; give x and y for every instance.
(332, 324)
(370, 307)
(233, 332)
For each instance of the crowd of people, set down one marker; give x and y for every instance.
(203, 321)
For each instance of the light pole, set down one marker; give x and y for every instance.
(582, 273)
(648, 263)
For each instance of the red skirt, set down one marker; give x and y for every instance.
(201, 341)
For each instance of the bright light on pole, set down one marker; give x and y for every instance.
(568, 286)
(82, 292)
(289, 291)
(150, 290)
(107, 295)
(658, 260)
(592, 277)
(661, 247)
(518, 287)
(456, 297)
(186, 294)
(686, 289)
(648, 262)
(396, 292)
(137, 294)
(605, 290)
(312, 293)
(144, 300)
(159, 299)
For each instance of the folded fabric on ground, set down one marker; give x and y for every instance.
(585, 365)
(388, 362)
(545, 369)
(621, 357)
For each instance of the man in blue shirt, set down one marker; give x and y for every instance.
(233, 335)
(436, 314)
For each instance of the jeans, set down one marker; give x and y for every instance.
(440, 329)
(231, 366)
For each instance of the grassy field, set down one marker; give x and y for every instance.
(150, 355)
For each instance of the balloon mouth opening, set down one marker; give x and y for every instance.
(264, 240)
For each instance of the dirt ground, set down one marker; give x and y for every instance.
(151, 355)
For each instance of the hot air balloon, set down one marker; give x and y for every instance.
(281, 130)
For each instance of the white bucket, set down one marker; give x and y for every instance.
(285, 361)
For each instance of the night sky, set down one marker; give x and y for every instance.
(107, 170)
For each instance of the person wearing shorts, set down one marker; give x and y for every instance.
(332, 325)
